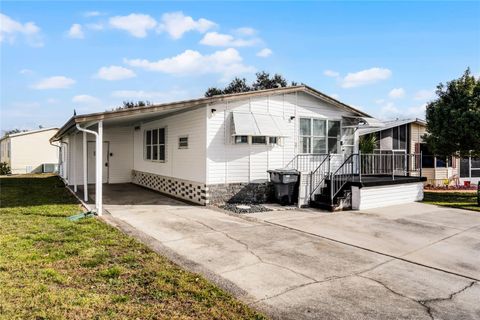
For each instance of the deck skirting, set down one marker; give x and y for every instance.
(192, 191)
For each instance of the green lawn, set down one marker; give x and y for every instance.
(52, 268)
(461, 200)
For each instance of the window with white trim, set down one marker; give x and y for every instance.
(183, 142)
(319, 136)
(259, 140)
(154, 147)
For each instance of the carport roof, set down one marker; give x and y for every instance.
(166, 108)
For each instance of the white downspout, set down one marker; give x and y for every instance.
(85, 172)
(98, 166)
(74, 162)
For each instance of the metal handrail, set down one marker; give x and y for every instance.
(393, 164)
(306, 162)
(316, 173)
(342, 175)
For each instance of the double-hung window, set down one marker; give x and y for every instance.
(154, 148)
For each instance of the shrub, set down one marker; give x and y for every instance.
(5, 169)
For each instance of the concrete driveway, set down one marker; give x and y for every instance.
(411, 261)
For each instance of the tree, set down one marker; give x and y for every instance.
(131, 105)
(263, 81)
(453, 118)
(368, 143)
(236, 86)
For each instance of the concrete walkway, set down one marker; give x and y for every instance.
(405, 262)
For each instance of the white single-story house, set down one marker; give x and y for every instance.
(30, 151)
(218, 149)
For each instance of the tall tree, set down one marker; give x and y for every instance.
(263, 81)
(453, 118)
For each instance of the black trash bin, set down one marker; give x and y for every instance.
(285, 182)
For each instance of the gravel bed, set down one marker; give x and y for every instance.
(244, 208)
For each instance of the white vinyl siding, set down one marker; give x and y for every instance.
(120, 157)
(187, 164)
(228, 162)
(29, 151)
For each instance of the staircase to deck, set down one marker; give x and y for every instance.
(330, 177)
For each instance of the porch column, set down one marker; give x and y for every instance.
(99, 168)
(74, 162)
(85, 173)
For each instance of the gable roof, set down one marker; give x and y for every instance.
(13, 135)
(186, 104)
(392, 124)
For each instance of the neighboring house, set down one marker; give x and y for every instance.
(29, 151)
(217, 149)
(405, 136)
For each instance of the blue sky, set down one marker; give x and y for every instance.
(383, 57)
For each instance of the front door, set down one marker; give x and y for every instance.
(91, 162)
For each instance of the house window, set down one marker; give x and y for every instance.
(333, 136)
(469, 167)
(272, 140)
(313, 135)
(183, 142)
(428, 160)
(259, 140)
(319, 136)
(399, 138)
(348, 140)
(241, 139)
(154, 149)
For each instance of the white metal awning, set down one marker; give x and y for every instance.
(252, 124)
(362, 122)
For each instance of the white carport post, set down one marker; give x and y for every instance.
(99, 168)
(98, 164)
(74, 162)
(85, 172)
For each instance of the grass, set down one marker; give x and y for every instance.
(52, 268)
(460, 200)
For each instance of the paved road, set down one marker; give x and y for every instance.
(412, 261)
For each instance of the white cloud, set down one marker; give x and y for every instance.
(113, 73)
(190, 62)
(10, 29)
(56, 82)
(135, 24)
(76, 32)
(264, 53)
(89, 14)
(155, 96)
(365, 77)
(396, 93)
(176, 24)
(245, 31)
(423, 95)
(379, 101)
(86, 99)
(216, 39)
(331, 73)
(390, 111)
